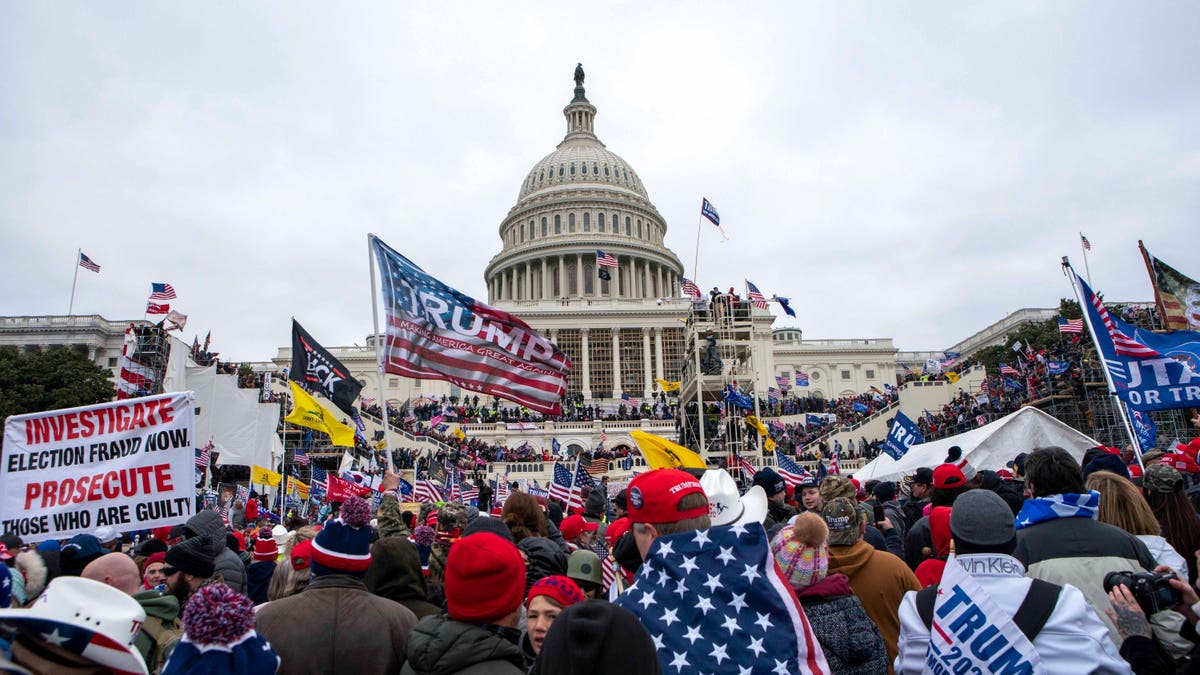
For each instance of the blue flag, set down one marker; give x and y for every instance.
(1149, 371)
(1145, 430)
(783, 302)
(859, 407)
(406, 488)
(738, 398)
(555, 445)
(903, 435)
(814, 420)
(1057, 367)
(1012, 385)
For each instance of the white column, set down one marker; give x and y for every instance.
(658, 276)
(658, 350)
(528, 285)
(579, 273)
(616, 362)
(647, 388)
(545, 282)
(587, 374)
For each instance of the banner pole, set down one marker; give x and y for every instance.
(74, 280)
(1122, 412)
(383, 405)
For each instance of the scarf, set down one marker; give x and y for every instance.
(1040, 509)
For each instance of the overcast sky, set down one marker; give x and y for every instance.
(899, 170)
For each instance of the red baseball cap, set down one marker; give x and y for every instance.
(1181, 462)
(654, 496)
(615, 529)
(573, 526)
(948, 476)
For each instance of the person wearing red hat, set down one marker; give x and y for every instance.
(578, 532)
(485, 587)
(948, 482)
(258, 574)
(546, 599)
(665, 501)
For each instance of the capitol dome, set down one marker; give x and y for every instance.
(580, 199)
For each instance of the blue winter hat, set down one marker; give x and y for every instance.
(343, 546)
(1106, 462)
(219, 636)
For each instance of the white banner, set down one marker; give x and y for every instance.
(971, 633)
(128, 464)
(522, 426)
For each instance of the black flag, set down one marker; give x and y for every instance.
(320, 371)
(604, 275)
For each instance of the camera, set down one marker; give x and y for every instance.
(1152, 591)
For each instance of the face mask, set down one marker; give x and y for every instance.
(626, 552)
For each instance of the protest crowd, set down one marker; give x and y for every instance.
(677, 571)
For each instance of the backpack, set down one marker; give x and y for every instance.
(163, 637)
(1031, 616)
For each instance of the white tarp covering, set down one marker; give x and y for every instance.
(243, 430)
(990, 446)
(178, 362)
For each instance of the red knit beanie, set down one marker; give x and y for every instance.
(485, 578)
(265, 548)
(560, 589)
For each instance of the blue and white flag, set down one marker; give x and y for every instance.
(1145, 430)
(1057, 367)
(814, 420)
(709, 213)
(1012, 385)
(801, 379)
(744, 618)
(1149, 371)
(903, 435)
(738, 398)
(860, 408)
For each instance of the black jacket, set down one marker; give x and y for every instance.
(395, 573)
(441, 646)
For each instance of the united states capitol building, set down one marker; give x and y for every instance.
(621, 333)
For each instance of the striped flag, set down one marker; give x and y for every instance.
(746, 467)
(300, 457)
(1070, 325)
(1087, 245)
(604, 259)
(87, 263)
(155, 308)
(772, 394)
(484, 350)
(161, 291)
(427, 491)
(582, 478)
(1006, 369)
(834, 467)
(783, 382)
(690, 288)
(204, 456)
(500, 494)
(598, 465)
(790, 470)
(709, 213)
(1122, 343)
(756, 298)
(318, 477)
(560, 487)
(629, 400)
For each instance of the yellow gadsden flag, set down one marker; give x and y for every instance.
(261, 476)
(668, 386)
(663, 454)
(306, 412)
(952, 376)
(756, 425)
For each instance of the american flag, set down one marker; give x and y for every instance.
(801, 379)
(1006, 369)
(204, 456)
(155, 308)
(452, 492)
(134, 379)
(582, 478)
(368, 400)
(1070, 325)
(500, 494)
(300, 457)
(1087, 245)
(427, 491)
(690, 288)
(470, 494)
(87, 263)
(1122, 343)
(598, 465)
(560, 487)
(772, 394)
(161, 291)
(605, 260)
(608, 569)
(629, 400)
(318, 477)
(791, 471)
(603, 436)
(496, 353)
(984, 387)
(834, 467)
(744, 612)
(756, 298)
(746, 467)
(783, 382)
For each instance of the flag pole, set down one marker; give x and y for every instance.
(1124, 414)
(1087, 270)
(75, 279)
(1158, 301)
(383, 405)
(695, 261)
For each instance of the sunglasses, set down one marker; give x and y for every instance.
(168, 571)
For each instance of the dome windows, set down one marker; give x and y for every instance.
(583, 168)
(572, 168)
(639, 228)
(606, 171)
(557, 224)
(587, 220)
(628, 227)
(560, 170)
(543, 226)
(600, 222)
(570, 222)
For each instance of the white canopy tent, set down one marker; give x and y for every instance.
(990, 446)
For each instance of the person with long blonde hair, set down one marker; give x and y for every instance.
(1122, 505)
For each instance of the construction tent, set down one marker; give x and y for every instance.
(990, 446)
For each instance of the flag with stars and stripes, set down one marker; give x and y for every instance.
(435, 332)
(714, 601)
(500, 494)
(161, 291)
(746, 467)
(318, 477)
(605, 259)
(300, 457)
(755, 296)
(790, 470)
(772, 394)
(560, 486)
(783, 381)
(87, 263)
(204, 456)
(690, 288)
(1070, 325)
(582, 478)
(427, 491)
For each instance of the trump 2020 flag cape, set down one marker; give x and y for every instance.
(435, 332)
(714, 601)
(964, 612)
(320, 370)
(306, 412)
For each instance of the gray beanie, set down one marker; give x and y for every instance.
(982, 518)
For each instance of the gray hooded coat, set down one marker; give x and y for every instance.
(229, 566)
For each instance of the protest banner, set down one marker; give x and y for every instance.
(971, 633)
(903, 435)
(129, 464)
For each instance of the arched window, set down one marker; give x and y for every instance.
(522, 232)
(587, 222)
(543, 226)
(583, 168)
(606, 171)
(560, 170)
(570, 222)
(572, 168)
(628, 227)
(531, 228)
(600, 222)
(557, 224)
(639, 229)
